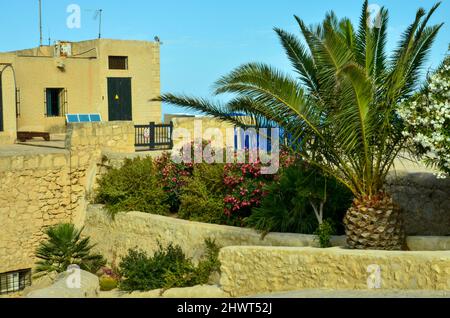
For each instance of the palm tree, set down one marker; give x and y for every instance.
(65, 247)
(341, 107)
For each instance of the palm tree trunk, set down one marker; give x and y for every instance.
(375, 223)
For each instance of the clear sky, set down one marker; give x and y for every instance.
(202, 39)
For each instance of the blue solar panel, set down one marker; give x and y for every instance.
(83, 118)
(72, 119)
(95, 118)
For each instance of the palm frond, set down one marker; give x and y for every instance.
(301, 60)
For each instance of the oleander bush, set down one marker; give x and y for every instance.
(427, 120)
(133, 187)
(236, 194)
(169, 267)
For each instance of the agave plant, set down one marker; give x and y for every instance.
(341, 107)
(65, 247)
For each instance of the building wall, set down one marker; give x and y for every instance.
(35, 74)
(41, 190)
(143, 68)
(85, 78)
(188, 124)
(8, 135)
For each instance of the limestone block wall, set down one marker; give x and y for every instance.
(86, 144)
(254, 270)
(144, 231)
(424, 200)
(34, 194)
(205, 123)
(41, 190)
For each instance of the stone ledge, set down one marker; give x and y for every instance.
(255, 270)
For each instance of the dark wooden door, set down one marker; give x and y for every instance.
(119, 99)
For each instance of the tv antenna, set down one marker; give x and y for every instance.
(40, 23)
(98, 15)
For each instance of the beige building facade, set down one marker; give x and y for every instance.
(114, 78)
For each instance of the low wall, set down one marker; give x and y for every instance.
(144, 231)
(41, 190)
(254, 270)
(424, 200)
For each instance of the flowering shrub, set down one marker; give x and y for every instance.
(427, 121)
(172, 176)
(246, 186)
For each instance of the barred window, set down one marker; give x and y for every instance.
(118, 62)
(13, 282)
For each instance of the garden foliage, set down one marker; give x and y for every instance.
(167, 268)
(65, 246)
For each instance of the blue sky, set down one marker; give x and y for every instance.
(202, 39)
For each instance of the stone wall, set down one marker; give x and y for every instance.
(424, 200)
(200, 127)
(41, 190)
(87, 143)
(144, 231)
(254, 270)
(34, 194)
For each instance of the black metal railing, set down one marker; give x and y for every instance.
(13, 282)
(154, 136)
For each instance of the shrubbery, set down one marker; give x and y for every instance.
(427, 120)
(167, 268)
(133, 187)
(233, 194)
(202, 195)
(288, 204)
(65, 246)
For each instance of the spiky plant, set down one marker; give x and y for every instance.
(65, 247)
(341, 107)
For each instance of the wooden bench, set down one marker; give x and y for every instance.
(23, 136)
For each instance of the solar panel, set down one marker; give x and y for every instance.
(95, 117)
(72, 118)
(83, 118)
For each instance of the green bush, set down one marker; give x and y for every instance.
(287, 205)
(202, 195)
(63, 247)
(167, 268)
(323, 233)
(108, 283)
(133, 187)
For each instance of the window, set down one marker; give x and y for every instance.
(55, 102)
(118, 62)
(15, 281)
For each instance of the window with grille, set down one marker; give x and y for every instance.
(118, 62)
(13, 282)
(55, 102)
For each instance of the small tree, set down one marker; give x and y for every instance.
(65, 247)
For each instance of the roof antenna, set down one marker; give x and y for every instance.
(40, 22)
(98, 14)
